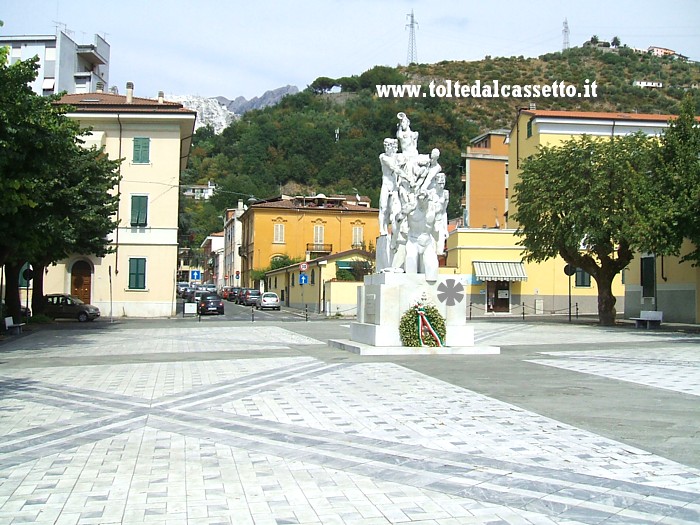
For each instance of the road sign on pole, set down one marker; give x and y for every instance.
(303, 278)
(195, 275)
(303, 267)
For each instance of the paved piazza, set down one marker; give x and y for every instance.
(177, 422)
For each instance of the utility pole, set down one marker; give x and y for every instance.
(565, 33)
(412, 55)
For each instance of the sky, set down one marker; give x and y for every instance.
(234, 48)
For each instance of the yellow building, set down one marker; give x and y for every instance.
(304, 228)
(499, 280)
(486, 180)
(322, 289)
(153, 137)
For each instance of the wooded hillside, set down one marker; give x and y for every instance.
(293, 147)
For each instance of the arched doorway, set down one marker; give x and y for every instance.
(81, 280)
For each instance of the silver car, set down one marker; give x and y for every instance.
(267, 300)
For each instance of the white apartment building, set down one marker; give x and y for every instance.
(64, 65)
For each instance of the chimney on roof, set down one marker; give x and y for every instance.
(160, 97)
(129, 92)
(100, 87)
(533, 106)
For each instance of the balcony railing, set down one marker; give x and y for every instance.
(319, 248)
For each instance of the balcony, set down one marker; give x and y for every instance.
(319, 250)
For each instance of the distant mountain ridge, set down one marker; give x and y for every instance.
(220, 112)
(240, 104)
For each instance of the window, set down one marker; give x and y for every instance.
(142, 150)
(529, 128)
(318, 234)
(292, 278)
(278, 233)
(648, 277)
(137, 273)
(23, 283)
(139, 210)
(357, 236)
(313, 276)
(583, 278)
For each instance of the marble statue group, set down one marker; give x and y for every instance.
(412, 206)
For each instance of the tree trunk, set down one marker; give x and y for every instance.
(38, 300)
(12, 301)
(606, 299)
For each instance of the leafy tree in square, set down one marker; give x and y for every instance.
(594, 202)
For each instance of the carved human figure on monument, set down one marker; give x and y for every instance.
(421, 255)
(389, 204)
(440, 199)
(429, 168)
(407, 138)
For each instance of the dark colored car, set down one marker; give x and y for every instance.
(210, 303)
(240, 297)
(251, 296)
(233, 294)
(65, 306)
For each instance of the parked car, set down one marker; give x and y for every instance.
(210, 287)
(65, 306)
(240, 297)
(233, 294)
(225, 291)
(267, 300)
(181, 287)
(210, 303)
(24, 310)
(251, 295)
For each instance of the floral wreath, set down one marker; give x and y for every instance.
(422, 325)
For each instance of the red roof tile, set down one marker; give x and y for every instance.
(108, 102)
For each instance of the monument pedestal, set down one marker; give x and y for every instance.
(383, 300)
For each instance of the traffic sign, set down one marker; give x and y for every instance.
(195, 275)
(303, 278)
(304, 266)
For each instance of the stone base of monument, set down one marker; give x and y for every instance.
(385, 297)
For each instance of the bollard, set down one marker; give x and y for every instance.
(252, 314)
(470, 310)
(306, 312)
(576, 310)
(523, 311)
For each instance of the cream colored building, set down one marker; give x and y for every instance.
(153, 137)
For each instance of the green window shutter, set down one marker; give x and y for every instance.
(142, 150)
(583, 278)
(139, 210)
(137, 274)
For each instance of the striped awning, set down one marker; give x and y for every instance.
(499, 271)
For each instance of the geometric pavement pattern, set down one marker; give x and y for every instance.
(295, 440)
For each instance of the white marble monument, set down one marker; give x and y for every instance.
(412, 231)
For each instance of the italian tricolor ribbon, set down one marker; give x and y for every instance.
(424, 326)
